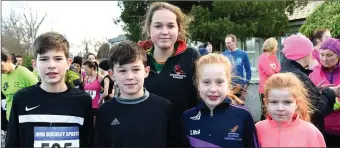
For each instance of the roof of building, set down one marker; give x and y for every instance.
(119, 38)
(304, 11)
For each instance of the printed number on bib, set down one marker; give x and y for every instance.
(56, 137)
(92, 93)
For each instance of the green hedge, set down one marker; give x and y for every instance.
(327, 16)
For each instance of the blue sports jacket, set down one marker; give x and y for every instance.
(228, 125)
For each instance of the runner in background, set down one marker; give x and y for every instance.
(73, 79)
(107, 83)
(217, 121)
(171, 62)
(13, 78)
(19, 59)
(289, 113)
(92, 83)
(50, 114)
(77, 63)
(91, 57)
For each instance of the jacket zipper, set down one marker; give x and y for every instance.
(211, 113)
(278, 140)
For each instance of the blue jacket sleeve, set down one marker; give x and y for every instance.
(246, 65)
(250, 135)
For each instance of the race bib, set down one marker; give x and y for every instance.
(92, 93)
(56, 137)
(3, 104)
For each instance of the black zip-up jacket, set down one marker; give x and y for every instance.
(322, 100)
(175, 83)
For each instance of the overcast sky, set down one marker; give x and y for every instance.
(78, 20)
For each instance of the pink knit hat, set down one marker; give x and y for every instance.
(297, 47)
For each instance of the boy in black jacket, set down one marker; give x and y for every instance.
(50, 114)
(136, 118)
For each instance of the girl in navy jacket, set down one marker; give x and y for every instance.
(217, 121)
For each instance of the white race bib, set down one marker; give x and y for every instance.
(56, 137)
(92, 93)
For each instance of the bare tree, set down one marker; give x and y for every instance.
(91, 45)
(12, 33)
(19, 31)
(32, 23)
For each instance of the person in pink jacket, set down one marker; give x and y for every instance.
(317, 37)
(288, 121)
(267, 65)
(328, 73)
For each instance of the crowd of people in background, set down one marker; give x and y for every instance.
(162, 93)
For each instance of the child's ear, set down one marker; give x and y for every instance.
(69, 61)
(147, 71)
(110, 72)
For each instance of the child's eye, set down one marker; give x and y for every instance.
(59, 59)
(136, 70)
(219, 82)
(42, 59)
(171, 26)
(206, 82)
(273, 102)
(121, 70)
(287, 102)
(158, 26)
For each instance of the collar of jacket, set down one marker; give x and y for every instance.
(226, 102)
(298, 66)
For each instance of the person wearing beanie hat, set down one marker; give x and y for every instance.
(297, 47)
(328, 73)
(77, 63)
(297, 57)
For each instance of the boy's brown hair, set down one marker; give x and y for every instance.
(50, 41)
(126, 52)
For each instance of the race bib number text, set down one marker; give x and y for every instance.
(56, 137)
(92, 93)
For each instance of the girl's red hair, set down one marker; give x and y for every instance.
(296, 87)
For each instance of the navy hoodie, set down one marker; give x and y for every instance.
(228, 125)
(175, 83)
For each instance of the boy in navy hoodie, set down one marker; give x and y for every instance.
(136, 118)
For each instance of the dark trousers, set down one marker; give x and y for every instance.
(263, 113)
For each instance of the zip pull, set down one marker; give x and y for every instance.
(211, 113)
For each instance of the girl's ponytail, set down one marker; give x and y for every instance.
(97, 66)
(235, 99)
